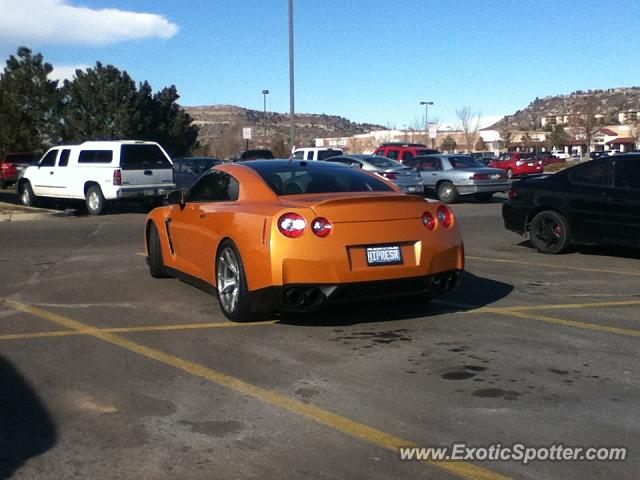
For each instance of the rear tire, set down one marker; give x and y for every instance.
(447, 193)
(95, 201)
(27, 197)
(154, 246)
(549, 232)
(231, 283)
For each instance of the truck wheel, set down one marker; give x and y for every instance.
(27, 197)
(95, 200)
(447, 193)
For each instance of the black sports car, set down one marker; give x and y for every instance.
(593, 203)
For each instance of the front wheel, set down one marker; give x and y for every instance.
(549, 232)
(447, 193)
(231, 282)
(27, 197)
(95, 200)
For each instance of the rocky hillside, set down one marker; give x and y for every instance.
(221, 127)
(604, 102)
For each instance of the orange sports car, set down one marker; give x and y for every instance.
(274, 235)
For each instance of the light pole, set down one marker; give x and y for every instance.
(292, 115)
(264, 118)
(426, 122)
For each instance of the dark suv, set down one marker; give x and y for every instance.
(403, 151)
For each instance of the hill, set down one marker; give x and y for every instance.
(607, 103)
(221, 128)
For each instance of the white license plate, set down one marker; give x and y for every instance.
(388, 255)
(530, 164)
(495, 176)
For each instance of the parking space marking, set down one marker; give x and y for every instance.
(151, 328)
(317, 414)
(571, 323)
(554, 266)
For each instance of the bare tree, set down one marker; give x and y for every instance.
(505, 138)
(469, 121)
(587, 122)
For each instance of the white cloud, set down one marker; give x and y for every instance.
(56, 21)
(65, 72)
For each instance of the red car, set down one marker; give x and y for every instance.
(518, 163)
(11, 164)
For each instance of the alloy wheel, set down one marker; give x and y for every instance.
(228, 276)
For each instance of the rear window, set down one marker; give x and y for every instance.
(322, 154)
(143, 157)
(95, 156)
(299, 179)
(381, 162)
(462, 162)
(27, 158)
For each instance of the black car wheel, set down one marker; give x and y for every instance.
(549, 232)
(447, 193)
(27, 197)
(156, 262)
(231, 283)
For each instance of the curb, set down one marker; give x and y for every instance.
(25, 213)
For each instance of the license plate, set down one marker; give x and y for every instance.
(148, 193)
(495, 176)
(530, 164)
(389, 255)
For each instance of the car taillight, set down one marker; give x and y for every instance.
(291, 225)
(428, 220)
(480, 176)
(512, 194)
(445, 216)
(389, 175)
(321, 227)
(117, 177)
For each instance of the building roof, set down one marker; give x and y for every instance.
(622, 141)
(608, 131)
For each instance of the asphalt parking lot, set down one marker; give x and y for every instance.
(108, 373)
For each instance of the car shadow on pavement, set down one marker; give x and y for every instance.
(473, 292)
(26, 429)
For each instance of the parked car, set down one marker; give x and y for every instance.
(316, 153)
(187, 170)
(405, 178)
(547, 158)
(517, 163)
(12, 165)
(99, 173)
(454, 176)
(593, 203)
(598, 154)
(403, 151)
(483, 157)
(254, 154)
(344, 235)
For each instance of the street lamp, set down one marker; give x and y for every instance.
(426, 123)
(264, 119)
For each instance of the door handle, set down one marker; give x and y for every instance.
(148, 172)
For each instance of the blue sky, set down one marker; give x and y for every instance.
(369, 61)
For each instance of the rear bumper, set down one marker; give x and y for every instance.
(515, 217)
(413, 188)
(479, 188)
(310, 297)
(149, 192)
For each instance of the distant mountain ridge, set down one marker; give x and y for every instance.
(221, 123)
(607, 102)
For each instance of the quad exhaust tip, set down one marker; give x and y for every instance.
(304, 297)
(445, 282)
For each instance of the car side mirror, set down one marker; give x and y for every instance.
(177, 198)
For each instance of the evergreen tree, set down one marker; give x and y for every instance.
(28, 103)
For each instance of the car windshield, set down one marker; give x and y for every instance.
(322, 154)
(381, 162)
(295, 178)
(461, 162)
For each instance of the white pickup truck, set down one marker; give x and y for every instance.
(99, 172)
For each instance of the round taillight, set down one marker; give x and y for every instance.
(428, 220)
(321, 227)
(291, 225)
(445, 216)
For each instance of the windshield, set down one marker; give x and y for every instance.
(301, 178)
(322, 154)
(463, 161)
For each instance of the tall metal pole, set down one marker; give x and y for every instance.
(426, 121)
(292, 114)
(264, 118)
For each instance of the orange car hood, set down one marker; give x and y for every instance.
(359, 207)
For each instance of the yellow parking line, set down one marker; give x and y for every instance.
(337, 422)
(560, 306)
(554, 266)
(572, 323)
(152, 328)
